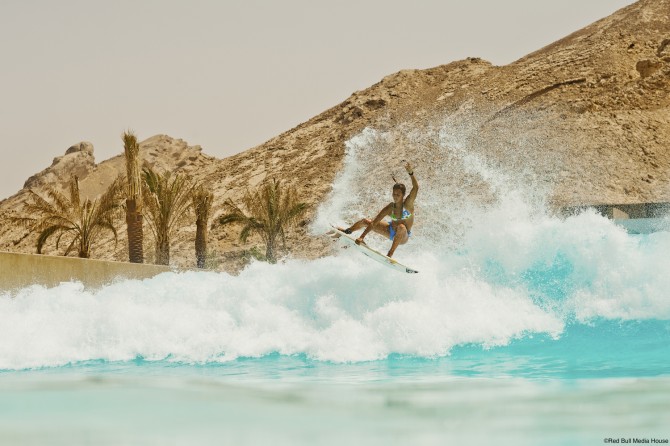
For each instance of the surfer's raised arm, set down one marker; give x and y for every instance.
(409, 201)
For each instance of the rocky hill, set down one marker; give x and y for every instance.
(587, 118)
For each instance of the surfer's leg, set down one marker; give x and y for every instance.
(382, 228)
(400, 238)
(360, 224)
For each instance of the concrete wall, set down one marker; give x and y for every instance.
(623, 211)
(21, 270)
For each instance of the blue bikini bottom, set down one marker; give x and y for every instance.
(392, 232)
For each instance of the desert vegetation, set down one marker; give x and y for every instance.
(134, 215)
(202, 207)
(271, 209)
(75, 224)
(167, 204)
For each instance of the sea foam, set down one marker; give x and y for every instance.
(489, 274)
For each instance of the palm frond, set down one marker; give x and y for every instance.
(44, 235)
(246, 230)
(59, 202)
(35, 204)
(109, 225)
(231, 218)
(69, 216)
(202, 202)
(61, 233)
(168, 203)
(271, 208)
(75, 200)
(71, 246)
(132, 151)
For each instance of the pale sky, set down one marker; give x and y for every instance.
(229, 75)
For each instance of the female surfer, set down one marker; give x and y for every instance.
(401, 212)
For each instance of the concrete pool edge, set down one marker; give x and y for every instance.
(21, 270)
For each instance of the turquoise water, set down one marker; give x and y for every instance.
(521, 328)
(328, 352)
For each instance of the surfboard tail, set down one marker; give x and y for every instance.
(371, 253)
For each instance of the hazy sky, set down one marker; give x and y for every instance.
(229, 75)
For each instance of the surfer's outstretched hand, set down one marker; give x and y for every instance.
(408, 167)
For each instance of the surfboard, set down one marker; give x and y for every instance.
(372, 253)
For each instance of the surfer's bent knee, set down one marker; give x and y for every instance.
(402, 233)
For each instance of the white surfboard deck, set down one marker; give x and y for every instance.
(373, 254)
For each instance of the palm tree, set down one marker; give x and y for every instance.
(167, 202)
(78, 224)
(133, 198)
(202, 205)
(272, 209)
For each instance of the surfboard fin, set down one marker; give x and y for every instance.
(333, 234)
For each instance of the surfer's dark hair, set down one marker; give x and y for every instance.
(401, 187)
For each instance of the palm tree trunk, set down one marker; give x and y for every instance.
(270, 249)
(84, 252)
(133, 199)
(135, 232)
(200, 242)
(163, 252)
(202, 205)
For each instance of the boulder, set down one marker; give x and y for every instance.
(78, 160)
(647, 67)
(83, 146)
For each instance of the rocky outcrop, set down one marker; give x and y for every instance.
(78, 160)
(81, 147)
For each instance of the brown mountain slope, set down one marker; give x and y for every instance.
(585, 119)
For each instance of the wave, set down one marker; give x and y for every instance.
(344, 308)
(490, 274)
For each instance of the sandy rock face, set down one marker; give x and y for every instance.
(585, 119)
(78, 160)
